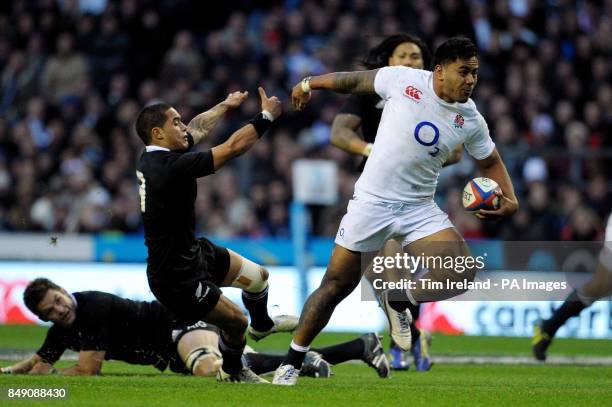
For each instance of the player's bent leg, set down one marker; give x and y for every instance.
(442, 244)
(340, 279)
(245, 274)
(390, 249)
(598, 287)
(229, 317)
(399, 356)
(342, 276)
(199, 351)
(252, 279)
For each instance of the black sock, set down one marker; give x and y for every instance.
(415, 310)
(262, 363)
(232, 356)
(343, 351)
(295, 358)
(415, 333)
(399, 301)
(257, 305)
(570, 308)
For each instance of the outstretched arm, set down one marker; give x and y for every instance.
(89, 364)
(244, 138)
(341, 82)
(204, 123)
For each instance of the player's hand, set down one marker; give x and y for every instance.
(272, 105)
(299, 98)
(507, 207)
(235, 99)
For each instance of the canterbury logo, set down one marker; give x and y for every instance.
(413, 93)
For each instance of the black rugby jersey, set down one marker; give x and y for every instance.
(135, 332)
(168, 192)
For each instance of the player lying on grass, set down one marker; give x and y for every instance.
(102, 326)
(600, 286)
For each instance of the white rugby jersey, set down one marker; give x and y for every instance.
(417, 133)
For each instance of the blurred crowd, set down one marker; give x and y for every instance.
(74, 74)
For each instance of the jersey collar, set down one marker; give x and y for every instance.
(156, 148)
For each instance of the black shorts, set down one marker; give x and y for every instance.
(216, 260)
(192, 297)
(182, 328)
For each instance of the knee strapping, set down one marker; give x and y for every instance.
(251, 278)
(194, 357)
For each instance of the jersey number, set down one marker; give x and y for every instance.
(434, 139)
(142, 191)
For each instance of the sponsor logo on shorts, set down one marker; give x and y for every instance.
(341, 232)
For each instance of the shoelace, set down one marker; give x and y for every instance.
(289, 374)
(404, 321)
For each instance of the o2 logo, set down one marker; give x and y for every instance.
(428, 134)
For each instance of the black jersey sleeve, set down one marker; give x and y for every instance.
(54, 346)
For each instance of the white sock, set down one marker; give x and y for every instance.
(299, 348)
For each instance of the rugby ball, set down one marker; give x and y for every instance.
(479, 193)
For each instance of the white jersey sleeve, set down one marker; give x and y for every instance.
(386, 80)
(479, 144)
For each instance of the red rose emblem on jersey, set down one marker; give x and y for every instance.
(413, 93)
(459, 121)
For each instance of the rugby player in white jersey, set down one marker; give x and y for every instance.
(354, 130)
(426, 116)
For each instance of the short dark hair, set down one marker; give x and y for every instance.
(454, 48)
(36, 291)
(151, 116)
(378, 56)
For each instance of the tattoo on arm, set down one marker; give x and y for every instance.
(354, 82)
(204, 123)
(344, 133)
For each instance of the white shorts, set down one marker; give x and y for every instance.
(605, 256)
(367, 225)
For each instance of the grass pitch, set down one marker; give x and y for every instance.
(352, 384)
